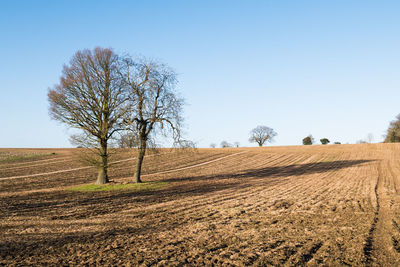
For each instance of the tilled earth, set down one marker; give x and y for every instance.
(336, 205)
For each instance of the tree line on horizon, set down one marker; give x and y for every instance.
(260, 135)
(263, 134)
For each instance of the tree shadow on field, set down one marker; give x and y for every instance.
(61, 206)
(74, 205)
(279, 171)
(77, 205)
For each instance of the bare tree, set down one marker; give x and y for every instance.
(213, 145)
(128, 139)
(91, 98)
(185, 146)
(225, 144)
(237, 144)
(262, 134)
(155, 106)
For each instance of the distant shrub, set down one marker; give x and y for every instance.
(337, 143)
(324, 141)
(225, 144)
(309, 140)
(393, 132)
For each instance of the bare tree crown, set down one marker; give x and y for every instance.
(102, 93)
(155, 104)
(262, 134)
(90, 96)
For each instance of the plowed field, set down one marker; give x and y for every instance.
(335, 205)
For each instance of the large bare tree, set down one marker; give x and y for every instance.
(262, 134)
(155, 106)
(92, 98)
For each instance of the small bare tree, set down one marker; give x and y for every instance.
(91, 98)
(225, 144)
(262, 134)
(128, 139)
(154, 105)
(213, 145)
(185, 146)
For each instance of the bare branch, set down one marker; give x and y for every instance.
(92, 97)
(155, 106)
(262, 134)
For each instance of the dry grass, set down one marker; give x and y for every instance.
(116, 186)
(285, 206)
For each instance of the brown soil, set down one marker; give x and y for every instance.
(333, 205)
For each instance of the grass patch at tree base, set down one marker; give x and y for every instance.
(149, 186)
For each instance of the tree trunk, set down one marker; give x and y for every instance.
(102, 177)
(142, 151)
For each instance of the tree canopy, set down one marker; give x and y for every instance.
(309, 140)
(154, 105)
(324, 141)
(261, 135)
(393, 131)
(101, 93)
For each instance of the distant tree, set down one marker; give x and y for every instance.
(237, 144)
(184, 146)
(337, 143)
(225, 144)
(91, 98)
(324, 141)
(309, 140)
(212, 145)
(128, 139)
(361, 141)
(393, 131)
(262, 134)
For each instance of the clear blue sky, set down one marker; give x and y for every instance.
(329, 68)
